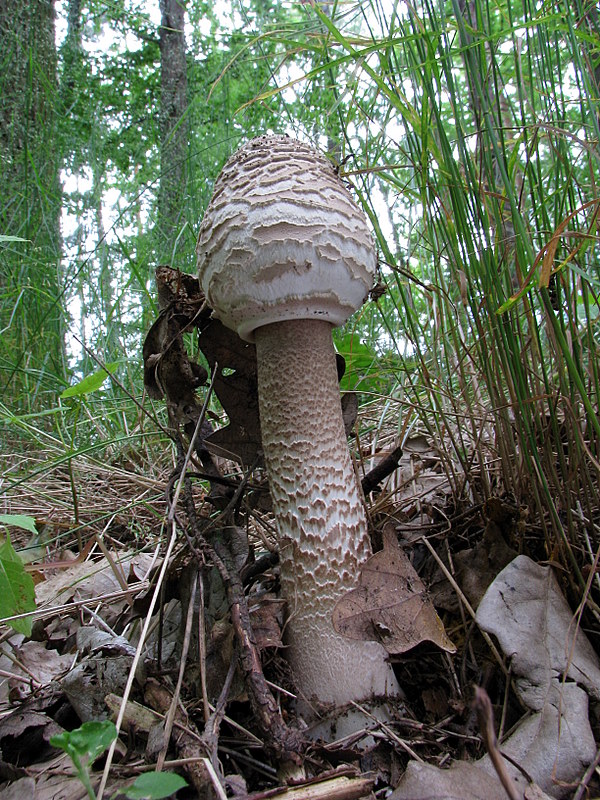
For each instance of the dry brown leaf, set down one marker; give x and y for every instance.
(529, 615)
(477, 567)
(552, 662)
(236, 387)
(89, 579)
(390, 604)
(264, 616)
(52, 780)
(36, 661)
(462, 781)
(25, 736)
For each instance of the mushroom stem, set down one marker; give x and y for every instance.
(323, 536)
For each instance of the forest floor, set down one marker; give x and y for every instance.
(181, 702)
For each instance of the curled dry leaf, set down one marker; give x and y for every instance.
(462, 781)
(390, 604)
(527, 612)
(25, 736)
(236, 388)
(555, 669)
(553, 744)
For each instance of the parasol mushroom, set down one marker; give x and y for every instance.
(285, 254)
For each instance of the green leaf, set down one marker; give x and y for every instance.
(361, 362)
(19, 521)
(154, 785)
(17, 591)
(5, 238)
(88, 741)
(90, 383)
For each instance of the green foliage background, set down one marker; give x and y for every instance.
(469, 133)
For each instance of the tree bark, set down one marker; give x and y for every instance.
(32, 341)
(173, 127)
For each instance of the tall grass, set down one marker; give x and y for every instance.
(478, 123)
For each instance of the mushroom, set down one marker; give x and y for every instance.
(285, 254)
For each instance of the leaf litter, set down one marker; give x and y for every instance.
(190, 696)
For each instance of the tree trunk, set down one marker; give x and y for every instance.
(32, 342)
(173, 127)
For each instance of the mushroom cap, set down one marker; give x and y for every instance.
(283, 239)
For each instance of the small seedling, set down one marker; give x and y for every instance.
(85, 744)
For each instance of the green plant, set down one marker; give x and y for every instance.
(17, 591)
(86, 743)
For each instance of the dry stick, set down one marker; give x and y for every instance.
(156, 593)
(168, 727)
(287, 743)
(202, 653)
(587, 776)
(485, 717)
(385, 467)
(210, 735)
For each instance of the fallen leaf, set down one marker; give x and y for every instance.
(551, 660)
(25, 737)
(390, 604)
(169, 372)
(23, 789)
(88, 683)
(418, 444)
(93, 640)
(555, 745)
(36, 661)
(265, 612)
(54, 780)
(462, 781)
(526, 611)
(88, 579)
(478, 566)
(236, 386)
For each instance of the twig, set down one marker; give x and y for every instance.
(485, 717)
(587, 776)
(385, 467)
(202, 652)
(168, 726)
(210, 735)
(287, 743)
